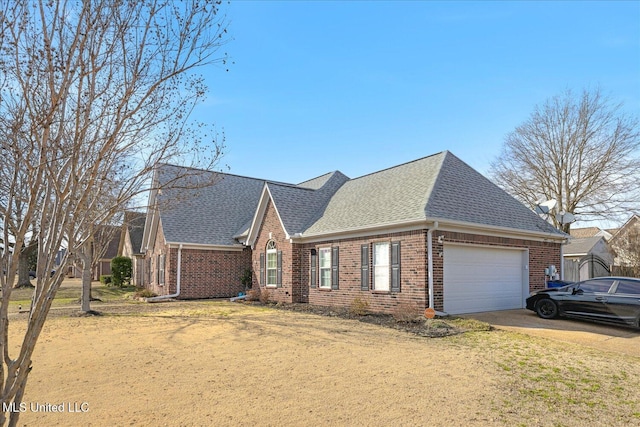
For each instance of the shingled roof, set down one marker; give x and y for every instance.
(134, 223)
(581, 246)
(210, 215)
(440, 187)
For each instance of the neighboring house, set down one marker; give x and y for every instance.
(429, 233)
(626, 243)
(131, 242)
(106, 242)
(581, 233)
(104, 247)
(587, 257)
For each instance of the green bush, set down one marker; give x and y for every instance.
(121, 270)
(105, 279)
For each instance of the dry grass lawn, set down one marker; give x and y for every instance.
(217, 363)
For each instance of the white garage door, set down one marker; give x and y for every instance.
(483, 279)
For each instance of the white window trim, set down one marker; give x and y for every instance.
(321, 268)
(272, 250)
(381, 265)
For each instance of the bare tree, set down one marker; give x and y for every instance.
(581, 151)
(93, 94)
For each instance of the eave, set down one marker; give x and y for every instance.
(423, 224)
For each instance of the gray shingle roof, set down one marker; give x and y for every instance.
(391, 196)
(463, 194)
(210, 215)
(581, 246)
(438, 187)
(300, 207)
(134, 221)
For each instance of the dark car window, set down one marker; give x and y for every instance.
(596, 285)
(628, 287)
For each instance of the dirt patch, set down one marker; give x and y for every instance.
(219, 363)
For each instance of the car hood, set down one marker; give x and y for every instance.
(563, 290)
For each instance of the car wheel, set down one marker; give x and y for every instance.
(547, 308)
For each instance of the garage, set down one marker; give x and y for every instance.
(481, 278)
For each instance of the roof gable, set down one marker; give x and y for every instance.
(296, 207)
(134, 223)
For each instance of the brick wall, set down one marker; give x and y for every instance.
(204, 273)
(271, 229)
(208, 273)
(413, 274)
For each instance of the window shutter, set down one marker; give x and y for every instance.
(395, 267)
(364, 267)
(279, 270)
(334, 268)
(314, 268)
(262, 281)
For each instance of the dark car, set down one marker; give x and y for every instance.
(606, 299)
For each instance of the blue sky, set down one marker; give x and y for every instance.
(364, 85)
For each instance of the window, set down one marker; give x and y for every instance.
(272, 264)
(381, 279)
(325, 267)
(628, 287)
(596, 285)
(161, 269)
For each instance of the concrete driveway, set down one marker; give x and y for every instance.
(618, 339)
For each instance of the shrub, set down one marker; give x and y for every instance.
(407, 312)
(247, 278)
(253, 295)
(121, 270)
(265, 296)
(105, 279)
(359, 307)
(144, 293)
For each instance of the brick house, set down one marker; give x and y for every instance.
(429, 233)
(131, 242)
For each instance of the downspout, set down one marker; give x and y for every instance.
(178, 277)
(562, 261)
(430, 261)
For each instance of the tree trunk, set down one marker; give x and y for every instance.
(23, 267)
(86, 282)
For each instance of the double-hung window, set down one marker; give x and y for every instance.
(272, 264)
(381, 278)
(325, 267)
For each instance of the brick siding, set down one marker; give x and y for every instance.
(204, 273)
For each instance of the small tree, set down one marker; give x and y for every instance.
(121, 269)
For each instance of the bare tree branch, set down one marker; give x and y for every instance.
(93, 95)
(582, 151)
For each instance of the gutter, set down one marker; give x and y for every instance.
(178, 277)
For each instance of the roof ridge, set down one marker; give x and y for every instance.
(224, 173)
(400, 165)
